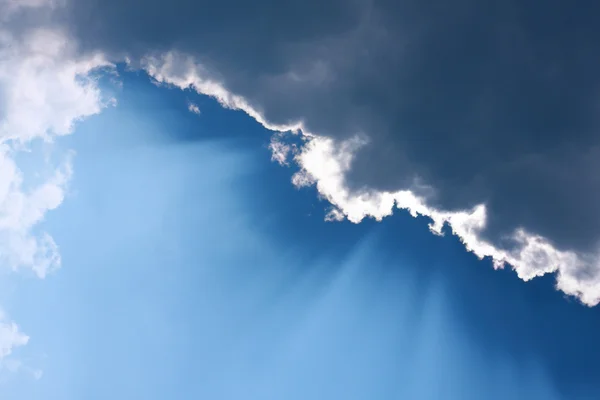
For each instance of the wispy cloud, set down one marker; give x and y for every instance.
(193, 108)
(11, 336)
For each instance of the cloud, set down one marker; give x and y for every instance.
(10, 337)
(45, 88)
(10, 7)
(326, 162)
(483, 117)
(21, 211)
(280, 150)
(15, 366)
(193, 108)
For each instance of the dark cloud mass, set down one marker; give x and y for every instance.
(492, 102)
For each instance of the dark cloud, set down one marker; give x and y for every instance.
(486, 102)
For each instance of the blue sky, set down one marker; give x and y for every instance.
(299, 200)
(193, 269)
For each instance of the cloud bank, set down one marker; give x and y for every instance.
(326, 163)
(482, 117)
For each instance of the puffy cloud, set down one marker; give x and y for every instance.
(21, 210)
(45, 88)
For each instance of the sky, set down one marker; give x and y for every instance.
(359, 200)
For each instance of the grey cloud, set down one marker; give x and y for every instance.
(493, 103)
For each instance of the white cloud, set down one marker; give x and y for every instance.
(193, 108)
(280, 150)
(181, 71)
(325, 163)
(20, 211)
(335, 215)
(10, 337)
(44, 90)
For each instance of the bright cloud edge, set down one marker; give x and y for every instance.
(324, 163)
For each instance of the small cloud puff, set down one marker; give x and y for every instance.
(193, 108)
